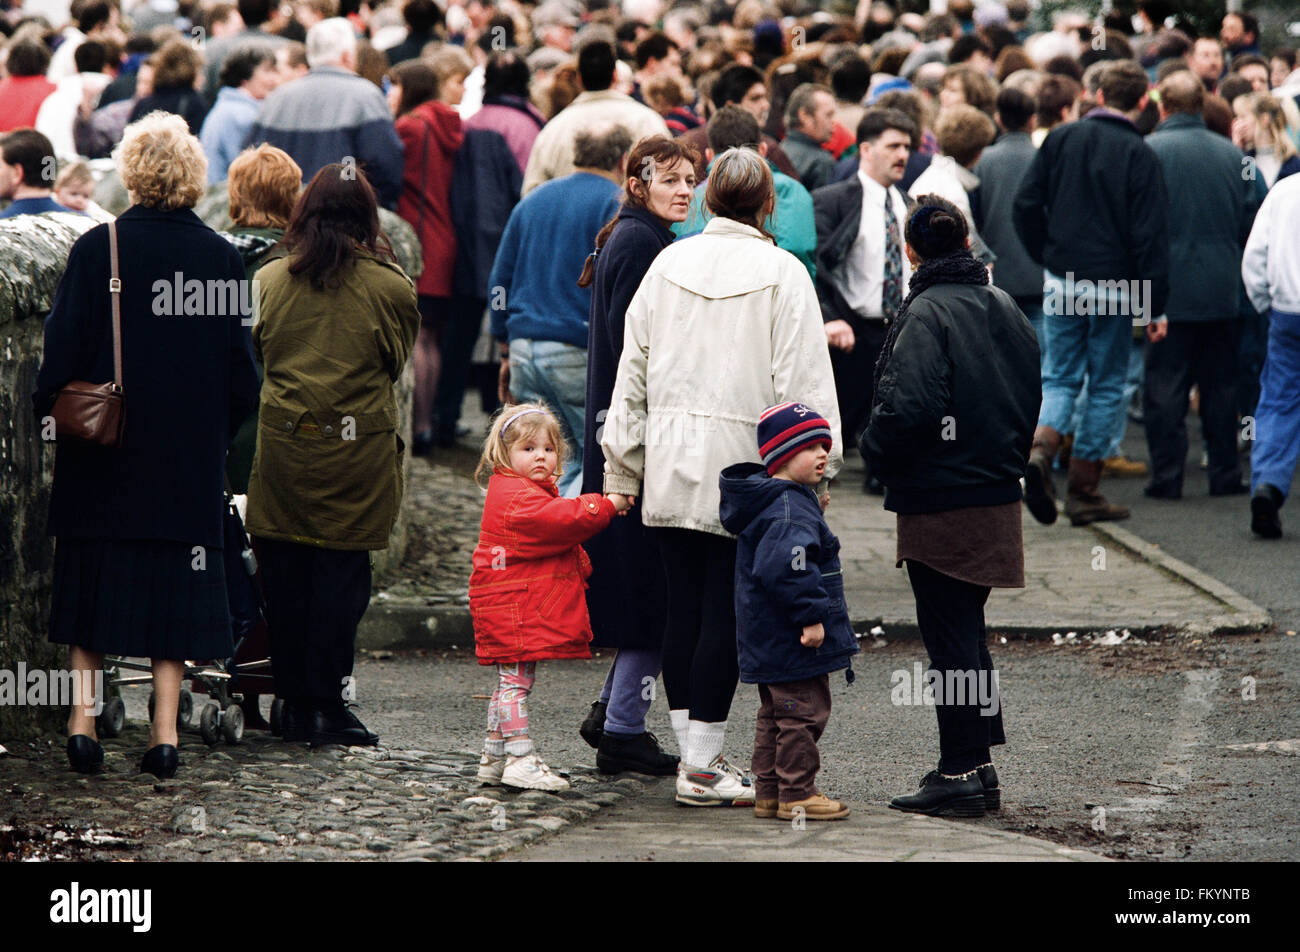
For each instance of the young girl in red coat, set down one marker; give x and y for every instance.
(526, 591)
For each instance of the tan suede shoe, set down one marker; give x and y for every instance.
(765, 809)
(816, 807)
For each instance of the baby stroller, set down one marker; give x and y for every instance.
(226, 681)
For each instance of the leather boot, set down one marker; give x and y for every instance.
(1040, 493)
(1085, 504)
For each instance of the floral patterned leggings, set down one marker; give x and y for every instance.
(508, 709)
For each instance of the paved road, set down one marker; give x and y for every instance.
(1141, 731)
(1213, 534)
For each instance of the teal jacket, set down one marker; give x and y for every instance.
(791, 222)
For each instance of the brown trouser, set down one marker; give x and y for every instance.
(790, 722)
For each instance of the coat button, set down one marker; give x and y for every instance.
(328, 429)
(288, 425)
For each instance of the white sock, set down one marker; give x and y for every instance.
(704, 743)
(679, 720)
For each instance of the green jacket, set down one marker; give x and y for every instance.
(791, 223)
(328, 470)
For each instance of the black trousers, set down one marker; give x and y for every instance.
(315, 599)
(950, 614)
(700, 664)
(855, 371)
(464, 316)
(1204, 353)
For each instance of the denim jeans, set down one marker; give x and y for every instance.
(1277, 417)
(555, 373)
(1079, 348)
(1133, 382)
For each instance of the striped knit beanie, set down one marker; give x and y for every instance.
(785, 429)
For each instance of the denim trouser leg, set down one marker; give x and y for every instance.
(1277, 417)
(555, 373)
(1133, 383)
(1089, 337)
(633, 689)
(608, 687)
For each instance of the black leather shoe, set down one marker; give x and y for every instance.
(295, 722)
(593, 725)
(942, 796)
(337, 724)
(84, 753)
(638, 753)
(161, 761)
(1162, 491)
(1232, 489)
(992, 793)
(1264, 520)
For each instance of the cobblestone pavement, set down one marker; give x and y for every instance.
(265, 800)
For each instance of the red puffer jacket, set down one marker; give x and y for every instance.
(526, 591)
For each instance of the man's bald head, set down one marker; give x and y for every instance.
(1182, 91)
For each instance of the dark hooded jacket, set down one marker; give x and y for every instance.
(787, 577)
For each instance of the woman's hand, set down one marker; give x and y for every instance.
(812, 636)
(621, 503)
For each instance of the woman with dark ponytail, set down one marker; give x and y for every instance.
(626, 592)
(957, 395)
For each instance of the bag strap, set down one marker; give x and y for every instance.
(115, 295)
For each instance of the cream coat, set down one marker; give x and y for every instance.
(723, 326)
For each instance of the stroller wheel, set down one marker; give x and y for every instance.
(210, 723)
(277, 717)
(112, 718)
(184, 709)
(232, 724)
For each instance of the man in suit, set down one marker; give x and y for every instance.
(862, 272)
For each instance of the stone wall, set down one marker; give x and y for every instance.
(33, 252)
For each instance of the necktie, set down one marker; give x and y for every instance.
(891, 298)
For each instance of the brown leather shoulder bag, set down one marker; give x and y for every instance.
(94, 412)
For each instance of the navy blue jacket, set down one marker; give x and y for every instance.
(627, 592)
(485, 183)
(787, 577)
(189, 381)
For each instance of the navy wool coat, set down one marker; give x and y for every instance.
(189, 380)
(628, 592)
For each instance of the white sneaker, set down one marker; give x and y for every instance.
(721, 762)
(529, 773)
(490, 769)
(717, 785)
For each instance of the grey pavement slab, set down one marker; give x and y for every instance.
(653, 828)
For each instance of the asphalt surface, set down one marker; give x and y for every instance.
(1213, 533)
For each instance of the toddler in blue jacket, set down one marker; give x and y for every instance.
(792, 625)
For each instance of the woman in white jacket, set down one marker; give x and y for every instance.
(723, 325)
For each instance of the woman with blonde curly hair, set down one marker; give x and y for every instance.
(138, 567)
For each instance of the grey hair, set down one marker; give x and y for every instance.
(601, 147)
(801, 100)
(328, 41)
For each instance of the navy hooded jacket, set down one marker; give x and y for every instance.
(787, 577)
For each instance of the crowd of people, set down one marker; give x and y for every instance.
(686, 254)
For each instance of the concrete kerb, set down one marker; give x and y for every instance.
(1244, 617)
